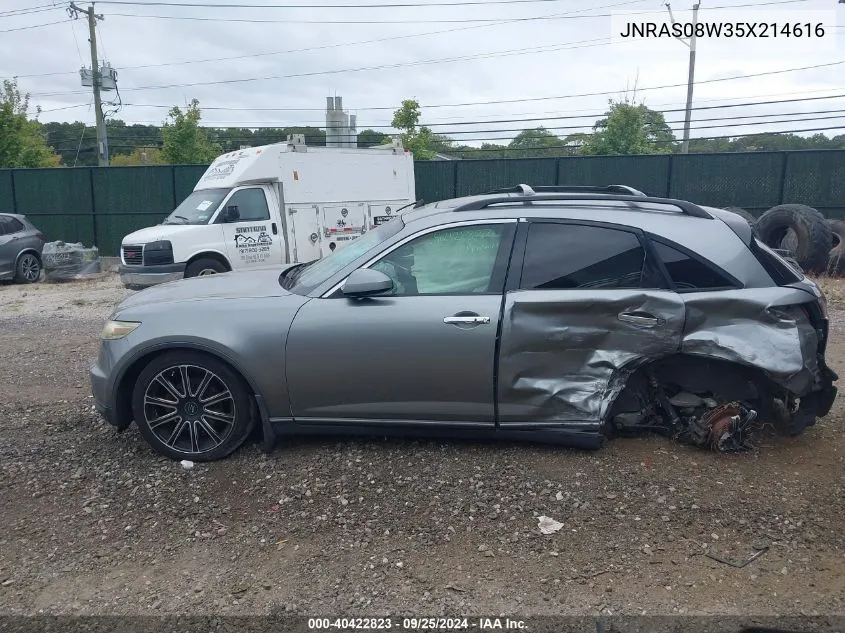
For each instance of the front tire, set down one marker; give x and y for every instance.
(204, 266)
(190, 405)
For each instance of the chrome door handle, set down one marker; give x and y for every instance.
(644, 320)
(467, 320)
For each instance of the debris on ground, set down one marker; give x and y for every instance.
(548, 525)
(70, 262)
(187, 464)
(752, 558)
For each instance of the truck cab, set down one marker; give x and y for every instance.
(271, 205)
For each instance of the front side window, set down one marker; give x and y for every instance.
(198, 207)
(570, 256)
(251, 203)
(688, 273)
(321, 270)
(459, 260)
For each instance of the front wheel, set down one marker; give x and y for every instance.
(189, 405)
(203, 267)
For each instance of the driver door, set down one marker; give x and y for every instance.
(423, 354)
(253, 239)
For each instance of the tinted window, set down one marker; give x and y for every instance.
(2, 225)
(565, 256)
(251, 203)
(689, 273)
(458, 260)
(14, 225)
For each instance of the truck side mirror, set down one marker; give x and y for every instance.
(232, 214)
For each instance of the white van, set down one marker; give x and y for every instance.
(275, 204)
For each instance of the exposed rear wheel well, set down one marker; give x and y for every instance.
(725, 381)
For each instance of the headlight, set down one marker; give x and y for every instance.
(157, 253)
(118, 329)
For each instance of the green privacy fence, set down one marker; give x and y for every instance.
(99, 205)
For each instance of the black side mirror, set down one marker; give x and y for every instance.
(232, 214)
(366, 282)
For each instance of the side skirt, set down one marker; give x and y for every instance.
(590, 440)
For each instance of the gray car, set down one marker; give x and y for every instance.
(20, 249)
(561, 314)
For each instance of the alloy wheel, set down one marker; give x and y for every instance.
(189, 408)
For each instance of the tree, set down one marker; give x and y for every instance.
(185, 142)
(22, 141)
(630, 129)
(371, 138)
(140, 156)
(537, 142)
(417, 140)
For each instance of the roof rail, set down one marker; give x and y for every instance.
(688, 208)
(624, 190)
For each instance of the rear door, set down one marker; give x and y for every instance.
(8, 248)
(585, 307)
(304, 222)
(422, 355)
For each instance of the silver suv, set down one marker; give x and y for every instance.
(20, 249)
(557, 313)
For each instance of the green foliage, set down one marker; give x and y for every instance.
(140, 156)
(768, 142)
(417, 140)
(371, 138)
(22, 141)
(630, 129)
(185, 142)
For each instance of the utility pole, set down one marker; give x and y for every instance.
(102, 136)
(690, 75)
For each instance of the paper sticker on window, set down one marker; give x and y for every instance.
(202, 206)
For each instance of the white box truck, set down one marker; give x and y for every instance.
(275, 204)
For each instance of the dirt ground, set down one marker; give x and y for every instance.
(93, 522)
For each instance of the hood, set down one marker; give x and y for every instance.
(158, 232)
(233, 285)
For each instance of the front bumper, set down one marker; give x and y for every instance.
(99, 389)
(145, 276)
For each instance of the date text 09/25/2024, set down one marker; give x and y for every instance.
(415, 624)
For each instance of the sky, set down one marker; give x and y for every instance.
(537, 59)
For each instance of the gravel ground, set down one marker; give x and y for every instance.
(95, 523)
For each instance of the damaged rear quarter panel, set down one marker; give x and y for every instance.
(565, 354)
(755, 327)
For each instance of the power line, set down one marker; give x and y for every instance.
(343, 44)
(436, 3)
(565, 16)
(28, 10)
(116, 133)
(33, 26)
(486, 121)
(505, 148)
(455, 105)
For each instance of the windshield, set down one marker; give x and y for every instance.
(322, 269)
(198, 207)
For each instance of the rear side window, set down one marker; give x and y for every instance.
(13, 225)
(779, 270)
(10, 225)
(568, 256)
(689, 273)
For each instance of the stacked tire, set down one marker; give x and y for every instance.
(803, 234)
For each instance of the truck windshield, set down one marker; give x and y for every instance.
(321, 270)
(198, 207)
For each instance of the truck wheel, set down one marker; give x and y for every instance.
(812, 233)
(190, 405)
(204, 266)
(836, 265)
